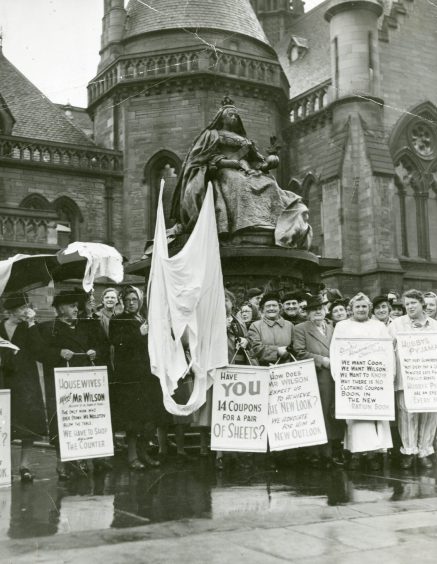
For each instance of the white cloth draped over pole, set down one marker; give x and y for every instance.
(186, 305)
(102, 261)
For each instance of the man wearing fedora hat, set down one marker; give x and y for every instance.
(68, 341)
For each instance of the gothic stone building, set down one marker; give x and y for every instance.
(348, 91)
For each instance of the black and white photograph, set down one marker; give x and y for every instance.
(218, 281)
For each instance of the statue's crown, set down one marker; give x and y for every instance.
(227, 102)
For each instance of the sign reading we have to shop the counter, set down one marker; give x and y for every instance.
(84, 416)
(5, 437)
(295, 411)
(240, 409)
(418, 360)
(364, 386)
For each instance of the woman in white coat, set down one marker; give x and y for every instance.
(361, 437)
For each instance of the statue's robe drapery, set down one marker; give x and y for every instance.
(242, 200)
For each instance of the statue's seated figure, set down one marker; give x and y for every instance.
(246, 196)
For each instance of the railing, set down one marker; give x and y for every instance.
(187, 61)
(59, 154)
(309, 102)
(20, 227)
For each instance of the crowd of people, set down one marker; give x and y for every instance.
(264, 328)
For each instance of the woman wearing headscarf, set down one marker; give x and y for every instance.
(245, 194)
(136, 397)
(21, 376)
(361, 437)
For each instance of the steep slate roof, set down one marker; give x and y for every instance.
(236, 16)
(314, 67)
(35, 115)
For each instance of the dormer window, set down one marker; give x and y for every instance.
(297, 48)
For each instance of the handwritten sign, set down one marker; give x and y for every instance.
(364, 387)
(418, 360)
(295, 411)
(240, 409)
(5, 438)
(84, 417)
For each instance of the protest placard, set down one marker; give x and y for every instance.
(295, 412)
(5, 437)
(240, 409)
(418, 360)
(84, 417)
(364, 386)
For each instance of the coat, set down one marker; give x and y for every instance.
(21, 376)
(360, 436)
(266, 336)
(57, 335)
(308, 343)
(136, 395)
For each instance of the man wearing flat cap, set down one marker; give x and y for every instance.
(68, 341)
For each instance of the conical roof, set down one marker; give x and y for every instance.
(235, 16)
(34, 114)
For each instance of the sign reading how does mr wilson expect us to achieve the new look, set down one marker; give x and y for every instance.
(84, 417)
(364, 385)
(240, 409)
(418, 359)
(295, 411)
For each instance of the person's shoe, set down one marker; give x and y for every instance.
(149, 461)
(354, 462)
(26, 475)
(425, 462)
(136, 465)
(374, 462)
(63, 473)
(338, 459)
(406, 461)
(219, 463)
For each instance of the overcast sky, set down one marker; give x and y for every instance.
(55, 43)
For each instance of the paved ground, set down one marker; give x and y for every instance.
(192, 514)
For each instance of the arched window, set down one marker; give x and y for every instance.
(69, 216)
(408, 220)
(163, 165)
(36, 202)
(413, 144)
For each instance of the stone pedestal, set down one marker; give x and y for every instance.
(251, 259)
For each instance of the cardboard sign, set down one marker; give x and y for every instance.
(364, 387)
(240, 409)
(295, 411)
(84, 416)
(5, 438)
(418, 360)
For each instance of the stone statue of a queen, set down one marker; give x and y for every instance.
(246, 196)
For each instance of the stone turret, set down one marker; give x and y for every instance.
(354, 46)
(276, 16)
(114, 19)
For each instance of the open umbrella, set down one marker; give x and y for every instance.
(84, 261)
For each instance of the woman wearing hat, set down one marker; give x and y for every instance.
(136, 397)
(312, 339)
(271, 335)
(381, 309)
(67, 341)
(337, 311)
(21, 376)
